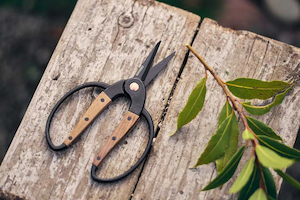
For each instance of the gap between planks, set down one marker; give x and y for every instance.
(165, 110)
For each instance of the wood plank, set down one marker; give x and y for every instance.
(103, 41)
(242, 54)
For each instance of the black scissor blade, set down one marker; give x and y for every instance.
(144, 69)
(157, 68)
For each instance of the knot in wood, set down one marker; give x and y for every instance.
(126, 20)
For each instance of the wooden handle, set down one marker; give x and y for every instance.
(99, 104)
(128, 121)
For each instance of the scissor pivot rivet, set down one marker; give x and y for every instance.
(134, 86)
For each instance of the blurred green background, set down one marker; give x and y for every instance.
(59, 8)
(65, 7)
(30, 30)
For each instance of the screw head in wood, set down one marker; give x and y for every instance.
(126, 20)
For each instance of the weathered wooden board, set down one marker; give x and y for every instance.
(103, 41)
(242, 54)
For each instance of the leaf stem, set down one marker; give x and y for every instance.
(261, 179)
(222, 84)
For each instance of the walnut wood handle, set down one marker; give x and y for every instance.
(128, 121)
(99, 104)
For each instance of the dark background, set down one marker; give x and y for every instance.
(30, 30)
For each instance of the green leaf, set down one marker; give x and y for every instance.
(251, 186)
(259, 128)
(225, 112)
(231, 146)
(228, 171)
(247, 135)
(288, 178)
(269, 158)
(248, 88)
(254, 183)
(244, 176)
(268, 182)
(193, 106)
(260, 110)
(279, 148)
(259, 194)
(217, 145)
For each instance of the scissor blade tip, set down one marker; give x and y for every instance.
(172, 54)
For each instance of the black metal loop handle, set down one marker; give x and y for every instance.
(47, 131)
(148, 147)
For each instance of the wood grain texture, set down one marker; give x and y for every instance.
(103, 41)
(127, 123)
(98, 105)
(241, 54)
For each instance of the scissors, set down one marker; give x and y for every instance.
(134, 89)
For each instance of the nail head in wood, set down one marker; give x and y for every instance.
(126, 20)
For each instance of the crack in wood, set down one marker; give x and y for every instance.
(165, 110)
(176, 82)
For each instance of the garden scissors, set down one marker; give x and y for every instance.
(134, 89)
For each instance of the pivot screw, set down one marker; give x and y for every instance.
(134, 86)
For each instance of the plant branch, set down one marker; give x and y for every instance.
(241, 113)
(222, 84)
